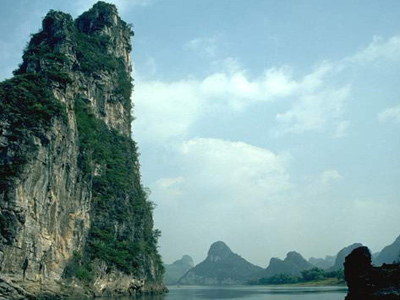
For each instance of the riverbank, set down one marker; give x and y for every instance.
(319, 283)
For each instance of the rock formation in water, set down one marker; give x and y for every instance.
(293, 264)
(366, 282)
(74, 217)
(177, 269)
(389, 254)
(221, 266)
(341, 255)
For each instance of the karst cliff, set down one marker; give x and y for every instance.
(74, 216)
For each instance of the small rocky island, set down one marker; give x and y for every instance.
(366, 282)
(74, 216)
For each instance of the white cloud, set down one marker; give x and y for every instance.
(166, 110)
(378, 49)
(390, 114)
(314, 111)
(236, 168)
(217, 172)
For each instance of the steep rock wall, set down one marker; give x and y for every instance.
(73, 210)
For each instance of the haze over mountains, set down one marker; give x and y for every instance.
(177, 269)
(223, 266)
(293, 264)
(389, 254)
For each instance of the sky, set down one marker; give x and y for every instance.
(270, 125)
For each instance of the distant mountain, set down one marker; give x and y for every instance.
(177, 269)
(341, 256)
(221, 266)
(323, 263)
(293, 264)
(389, 254)
(375, 256)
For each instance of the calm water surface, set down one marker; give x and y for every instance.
(252, 293)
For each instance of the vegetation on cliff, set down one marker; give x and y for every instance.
(65, 66)
(117, 196)
(27, 107)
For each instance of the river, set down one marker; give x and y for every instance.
(252, 293)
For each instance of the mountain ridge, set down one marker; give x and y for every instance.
(221, 266)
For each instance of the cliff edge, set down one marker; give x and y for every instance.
(74, 217)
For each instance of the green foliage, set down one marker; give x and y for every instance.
(314, 274)
(122, 225)
(278, 279)
(28, 106)
(107, 246)
(40, 53)
(27, 102)
(110, 161)
(92, 53)
(89, 19)
(79, 268)
(339, 274)
(93, 56)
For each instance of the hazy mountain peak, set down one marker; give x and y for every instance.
(187, 260)
(177, 269)
(298, 260)
(389, 254)
(293, 264)
(222, 266)
(218, 251)
(293, 255)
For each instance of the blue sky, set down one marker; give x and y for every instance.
(270, 125)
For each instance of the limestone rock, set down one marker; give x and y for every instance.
(67, 104)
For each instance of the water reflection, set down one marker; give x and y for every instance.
(249, 293)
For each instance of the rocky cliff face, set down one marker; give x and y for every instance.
(221, 266)
(73, 212)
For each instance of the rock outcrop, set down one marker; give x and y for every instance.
(74, 217)
(177, 269)
(221, 266)
(366, 282)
